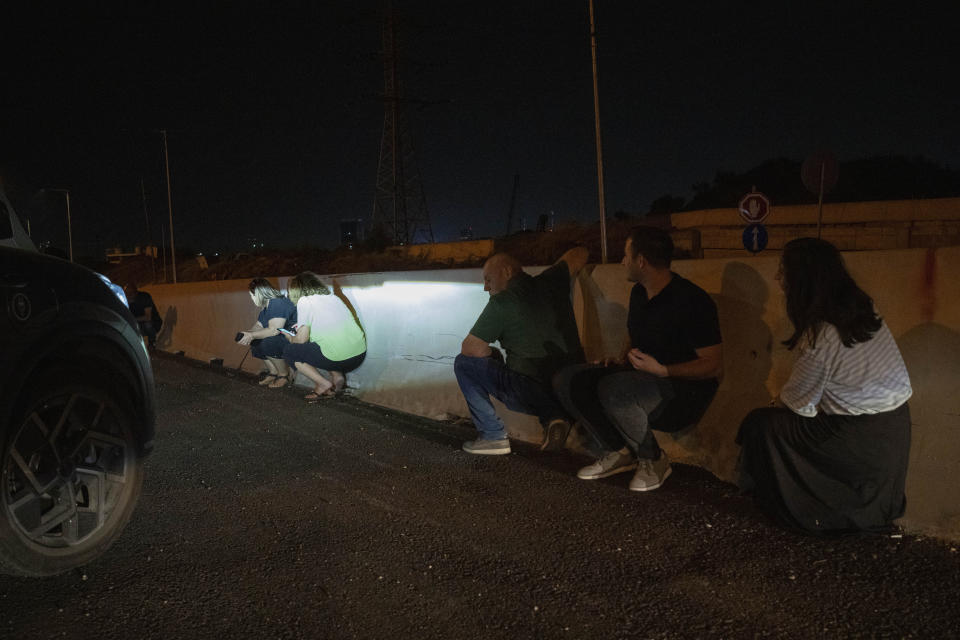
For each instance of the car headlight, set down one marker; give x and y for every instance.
(117, 290)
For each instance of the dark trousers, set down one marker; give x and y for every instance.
(613, 404)
(148, 331)
(271, 347)
(829, 472)
(619, 406)
(483, 378)
(311, 353)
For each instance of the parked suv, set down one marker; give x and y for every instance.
(76, 409)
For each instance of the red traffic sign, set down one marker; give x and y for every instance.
(754, 207)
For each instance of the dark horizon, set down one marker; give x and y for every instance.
(274, 118)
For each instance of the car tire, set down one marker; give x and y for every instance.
(70, 474)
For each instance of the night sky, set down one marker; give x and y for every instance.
(274, 115)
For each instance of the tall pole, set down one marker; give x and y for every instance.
(166, 162)
(823, 165)
(66, 192)
(149, 242)
(596, 119)
(69, 225)
(163, 242)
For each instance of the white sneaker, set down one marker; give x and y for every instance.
(610, 464)
(651, 474)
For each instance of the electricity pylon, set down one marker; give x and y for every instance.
(400, 204)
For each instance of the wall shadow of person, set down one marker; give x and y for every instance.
(165, 335)
(747, 364)
(338, 291)
(931, 352)
(604, 329)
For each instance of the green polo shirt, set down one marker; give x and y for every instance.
(533, 320)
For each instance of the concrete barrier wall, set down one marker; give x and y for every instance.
(851, 226)
(415, 322)
(838, 213)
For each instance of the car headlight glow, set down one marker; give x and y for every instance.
(117, 290)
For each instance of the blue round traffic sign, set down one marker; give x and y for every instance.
(755, 238)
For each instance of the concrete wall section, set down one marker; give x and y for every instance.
(933, 209)
(851, 226)
(415, 322)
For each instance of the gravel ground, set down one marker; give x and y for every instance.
(265, 517)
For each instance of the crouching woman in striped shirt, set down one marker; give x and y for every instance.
(833, 456)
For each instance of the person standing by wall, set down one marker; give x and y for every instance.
(145, 311)
(833, 455)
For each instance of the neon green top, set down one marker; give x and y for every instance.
(332, 326)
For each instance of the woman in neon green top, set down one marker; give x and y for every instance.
(329, 337)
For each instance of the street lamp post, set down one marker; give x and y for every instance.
(596, 120)
(66, 192)
(166, 161)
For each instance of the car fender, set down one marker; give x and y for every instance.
(82, 330)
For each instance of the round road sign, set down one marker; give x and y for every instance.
(755, 238)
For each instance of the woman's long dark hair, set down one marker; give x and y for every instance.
(819, 289)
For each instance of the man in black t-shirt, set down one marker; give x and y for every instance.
(532, 318)
(666, 376)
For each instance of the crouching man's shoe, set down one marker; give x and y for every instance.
(650, 474)
(610, 464)
(488, 447)
(555, 435)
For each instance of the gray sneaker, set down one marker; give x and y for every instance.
(487, 447)
(651, 474)
(610, 464)
(555, 435)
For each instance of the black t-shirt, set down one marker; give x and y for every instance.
(138, 306)
(675, 323)
(671, 327)
(139, 303)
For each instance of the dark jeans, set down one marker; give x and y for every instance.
(148, 331)
(271, 347)
(619, 406)
(481, 378)
(311, 353)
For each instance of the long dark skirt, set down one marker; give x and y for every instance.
(828, 473)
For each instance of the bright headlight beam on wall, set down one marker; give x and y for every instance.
(415, 293)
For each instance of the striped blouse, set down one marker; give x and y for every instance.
(869, 377)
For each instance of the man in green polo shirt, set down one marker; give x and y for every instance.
(532, 318)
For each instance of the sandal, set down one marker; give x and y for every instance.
(313, 397)
(266, 380)
(280, 382)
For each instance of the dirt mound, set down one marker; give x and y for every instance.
(530, 247)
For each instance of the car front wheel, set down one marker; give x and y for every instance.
(70, 478)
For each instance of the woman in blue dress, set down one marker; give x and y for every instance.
(264, 338)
